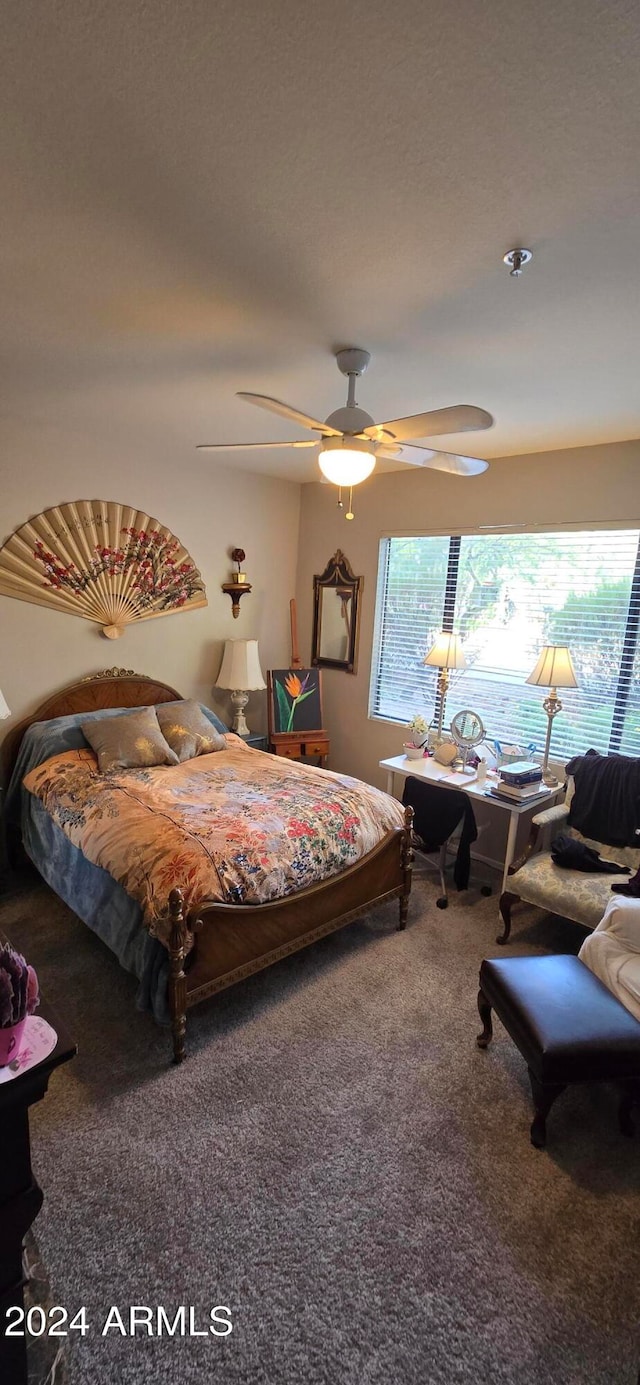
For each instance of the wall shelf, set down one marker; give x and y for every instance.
(235, 590)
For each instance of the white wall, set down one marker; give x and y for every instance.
(210, 509)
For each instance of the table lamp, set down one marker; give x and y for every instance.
(445, 654)
(240, 672)
(554, 669)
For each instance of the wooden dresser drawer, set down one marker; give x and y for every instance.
(316, 747)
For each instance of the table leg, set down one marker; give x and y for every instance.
(510, 847)
(390, 782)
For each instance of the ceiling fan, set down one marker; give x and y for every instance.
(350, 442)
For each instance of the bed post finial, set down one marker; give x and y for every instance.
(406, 860)
(177, 978)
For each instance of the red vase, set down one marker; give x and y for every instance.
(10, 1041)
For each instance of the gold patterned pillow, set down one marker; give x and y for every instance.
(187, 730)
(132, 741)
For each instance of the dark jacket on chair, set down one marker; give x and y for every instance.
(606, 802)
(436, 814)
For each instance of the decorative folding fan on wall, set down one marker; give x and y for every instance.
(103, 561)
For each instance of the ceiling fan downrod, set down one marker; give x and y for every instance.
(352, 361)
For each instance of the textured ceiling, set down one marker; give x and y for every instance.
(200, 197)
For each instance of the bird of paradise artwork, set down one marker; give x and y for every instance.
(293, 688)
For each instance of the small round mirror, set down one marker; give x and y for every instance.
(467, 729)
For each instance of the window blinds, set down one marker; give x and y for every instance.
(507, 595)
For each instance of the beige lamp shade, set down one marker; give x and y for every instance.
(554, 668)
(446, 652)
(240, 667)
(4, 710)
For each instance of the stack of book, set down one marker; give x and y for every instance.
(520, 782)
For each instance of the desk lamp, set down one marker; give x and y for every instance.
(445, 654)
(554, 669)
(240, 672)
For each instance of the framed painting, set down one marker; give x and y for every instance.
(295, 701)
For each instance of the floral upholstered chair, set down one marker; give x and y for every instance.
(572, 894)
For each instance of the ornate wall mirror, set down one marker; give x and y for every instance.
(336, 597)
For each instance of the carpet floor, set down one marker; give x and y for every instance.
(337, 1163)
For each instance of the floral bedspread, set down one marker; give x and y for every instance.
(237, 826)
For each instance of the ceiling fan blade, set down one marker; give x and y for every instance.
(459, 418)
(452, 462)
(246, 446)
(275, 406)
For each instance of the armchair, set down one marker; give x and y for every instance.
(572, 894)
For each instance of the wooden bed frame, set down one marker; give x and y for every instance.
(232, 941)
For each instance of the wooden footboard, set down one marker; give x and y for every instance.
(233, 941)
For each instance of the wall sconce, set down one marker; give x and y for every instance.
(238, 586)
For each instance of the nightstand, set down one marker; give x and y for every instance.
(256, 741)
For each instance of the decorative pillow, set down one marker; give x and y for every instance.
(134, 741)
(187, 731)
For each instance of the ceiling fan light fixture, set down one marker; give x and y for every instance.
(346, 461)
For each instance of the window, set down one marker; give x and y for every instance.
(507, 595)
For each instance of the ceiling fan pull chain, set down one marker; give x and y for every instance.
(350, 514)
(340, 505)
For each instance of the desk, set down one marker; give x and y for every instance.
(400, 768)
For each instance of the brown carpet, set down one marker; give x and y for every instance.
(338, 1163)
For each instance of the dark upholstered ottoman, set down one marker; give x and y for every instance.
(568, 1027)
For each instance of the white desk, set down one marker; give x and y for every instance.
(399, 767)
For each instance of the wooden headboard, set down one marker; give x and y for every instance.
(114, 687)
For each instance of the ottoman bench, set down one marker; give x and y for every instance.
(567, 1026)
